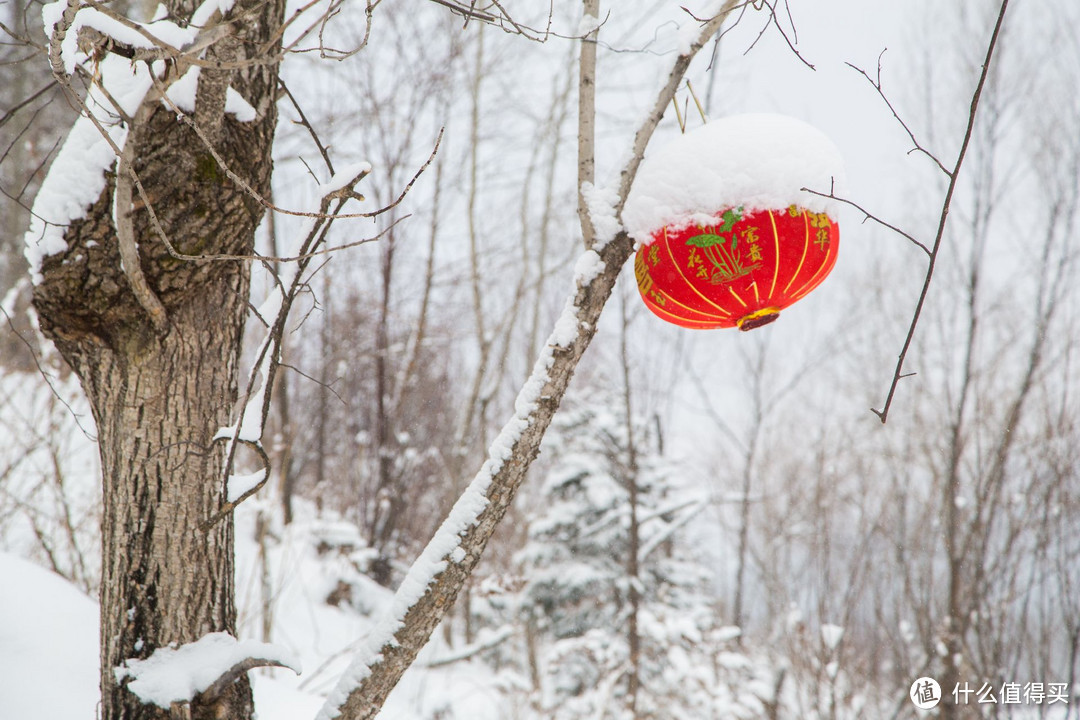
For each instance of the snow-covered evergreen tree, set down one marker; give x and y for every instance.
(617, 638)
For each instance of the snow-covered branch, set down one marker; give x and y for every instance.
(205, 667)
(694, 506)
(487, 641)
(433, 582)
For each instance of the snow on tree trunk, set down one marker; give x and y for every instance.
(159, 392)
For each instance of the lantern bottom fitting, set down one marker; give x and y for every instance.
(758, 318)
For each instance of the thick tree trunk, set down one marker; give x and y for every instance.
(159, 397)
(163, 579)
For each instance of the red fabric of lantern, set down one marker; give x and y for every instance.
(740, 272)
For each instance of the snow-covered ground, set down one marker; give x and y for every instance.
(322, 608)
(49, 633)
(48, 645)
(49, 498)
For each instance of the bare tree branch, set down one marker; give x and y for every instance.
(881, 93)
(230, 676)
(306, 124)
(468, 13)
(587, 120)
(125, 228)
(783, 34)
(20, 105)
(870, 216)
(953, 175)
(45, 375)
(231, 505)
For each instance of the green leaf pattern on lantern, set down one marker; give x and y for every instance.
(705, 240)
(728, 261)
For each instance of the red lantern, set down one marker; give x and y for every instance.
(740, 272)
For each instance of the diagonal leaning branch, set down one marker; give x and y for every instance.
(433, 582)
(954, 174)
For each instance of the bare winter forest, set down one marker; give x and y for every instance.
(327, 391)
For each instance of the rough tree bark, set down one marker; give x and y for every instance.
(158, 396)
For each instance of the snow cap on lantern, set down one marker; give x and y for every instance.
(728, 236)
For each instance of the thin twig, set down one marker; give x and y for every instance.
(229, 506)
(870, 216)
(465, 12)
(19, 106)
(278, 34)
(45, 376)
(772, 20)
(45, 159)
(790, 44)
(17, 199)
(678, 115)
(246, 187)
(898, 373)
(305, 123)
(21, 39)
(881, 93)
(339, 55)
(697, 103)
